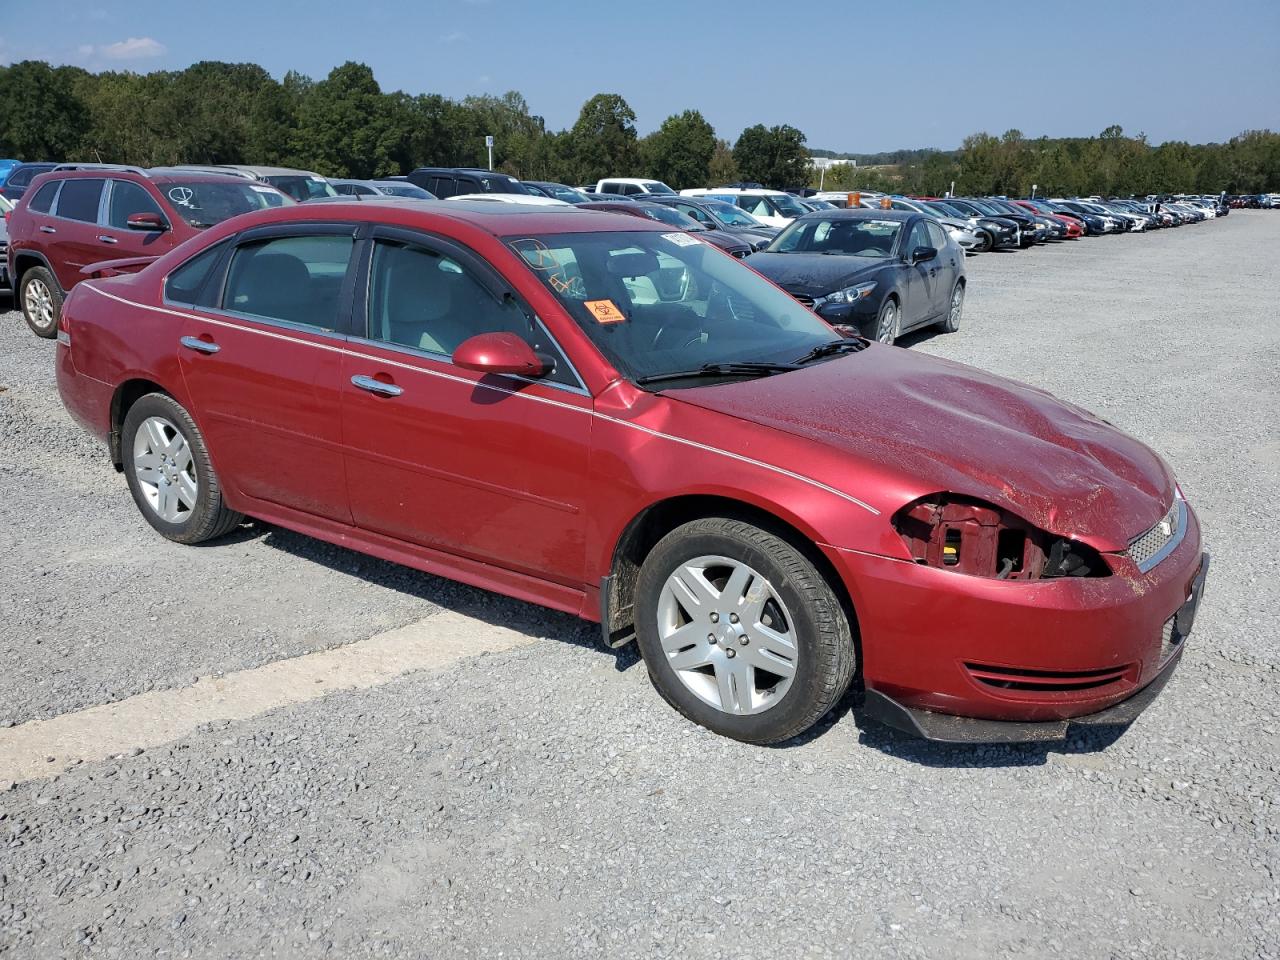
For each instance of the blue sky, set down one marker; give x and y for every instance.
(853, 76)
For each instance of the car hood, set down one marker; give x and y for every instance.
(814, 274)
(927, 425)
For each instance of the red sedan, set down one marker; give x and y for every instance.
(1075, 229)
(595, 413)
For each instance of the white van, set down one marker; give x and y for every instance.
(631, 186)
(772, 207)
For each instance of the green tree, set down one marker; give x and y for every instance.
(602, 142)
(343, 128)
(773, 156)
(679, 152)
(722, 168)
(42, 116)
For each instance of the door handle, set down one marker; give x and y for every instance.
(376, 386)
(108, 240)
(198, 345)
(48, 230)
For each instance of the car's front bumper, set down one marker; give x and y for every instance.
(943, 644)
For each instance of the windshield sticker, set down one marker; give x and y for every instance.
(605, 311)
(262, 189)
(182, 196)
(318, 179)
(537, 254)
(681, 239)
(889, 224)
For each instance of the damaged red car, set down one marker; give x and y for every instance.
(601, 415)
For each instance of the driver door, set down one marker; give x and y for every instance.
(923, 297)
(488, 467)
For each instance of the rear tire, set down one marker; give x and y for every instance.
(170, 475)
(41, 300)
(951, 322)
(740, 632)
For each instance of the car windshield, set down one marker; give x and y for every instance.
(657, 186)
(302, 186)
(558, 191)
(732, 215)
(669, 215)
(847, 236)
(203, 203)
(501, 183)
(788, 205)
(405, 190)
(659, 303)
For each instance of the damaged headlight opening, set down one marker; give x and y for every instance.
(982, 540)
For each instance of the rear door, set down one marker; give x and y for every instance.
(72, 233)
(262, 357)
(948, 265)
(487, 467)
(124, 199)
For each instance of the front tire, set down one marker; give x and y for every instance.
(888, 323)
(170, 475)
(41, 300)
(988, 242)
(740, 632)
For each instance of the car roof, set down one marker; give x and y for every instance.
(272, 171)
(861, 213)
(496, 219)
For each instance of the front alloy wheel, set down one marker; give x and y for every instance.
(889, 323)
(727, 635)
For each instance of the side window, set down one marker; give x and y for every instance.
(187, 283)
(421, 299)
(42, 202)
(79, 199)
(126, 200)
(757, 206)
(919, 237)
(696, 212)
(20, 177)
(345, 189)
(611, 188)
(937, 239)
(899, 205)
(290, 279)
(631, 189)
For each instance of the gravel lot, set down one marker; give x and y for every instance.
(544, 802)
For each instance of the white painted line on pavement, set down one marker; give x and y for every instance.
(161, 716)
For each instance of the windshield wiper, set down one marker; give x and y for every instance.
(834, 346)
(738, 368)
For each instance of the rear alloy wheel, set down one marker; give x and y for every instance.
(951, 323)
(41, 300)
(169, 473)
(889, 322)
(740, 632)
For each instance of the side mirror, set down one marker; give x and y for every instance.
(499, 353)
(921, 254)
(146, 221)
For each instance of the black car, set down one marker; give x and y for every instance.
(734, 246)
(1025, 221)
(21, 178)
(1005, 234)
(556, 191)
(883, 272)
(719, 215)
(445, 182)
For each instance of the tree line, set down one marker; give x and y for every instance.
(345, 125)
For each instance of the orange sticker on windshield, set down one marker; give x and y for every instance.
(604, 311)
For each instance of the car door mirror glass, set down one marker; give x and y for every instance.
(499, 353)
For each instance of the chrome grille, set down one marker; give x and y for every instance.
(1151, 547)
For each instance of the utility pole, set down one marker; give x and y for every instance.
(488, 142)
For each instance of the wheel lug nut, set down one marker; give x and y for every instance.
(744, 640)
(733, 618)
(715, 618)
(711, 638)
(730, 652)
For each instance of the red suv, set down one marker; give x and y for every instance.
(604, 415)
(69, 220)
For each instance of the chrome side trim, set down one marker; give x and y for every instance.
(740, 458)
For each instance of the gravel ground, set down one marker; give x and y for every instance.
(545, 802)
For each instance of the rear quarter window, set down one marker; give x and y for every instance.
(191, 283)
(42, 202)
